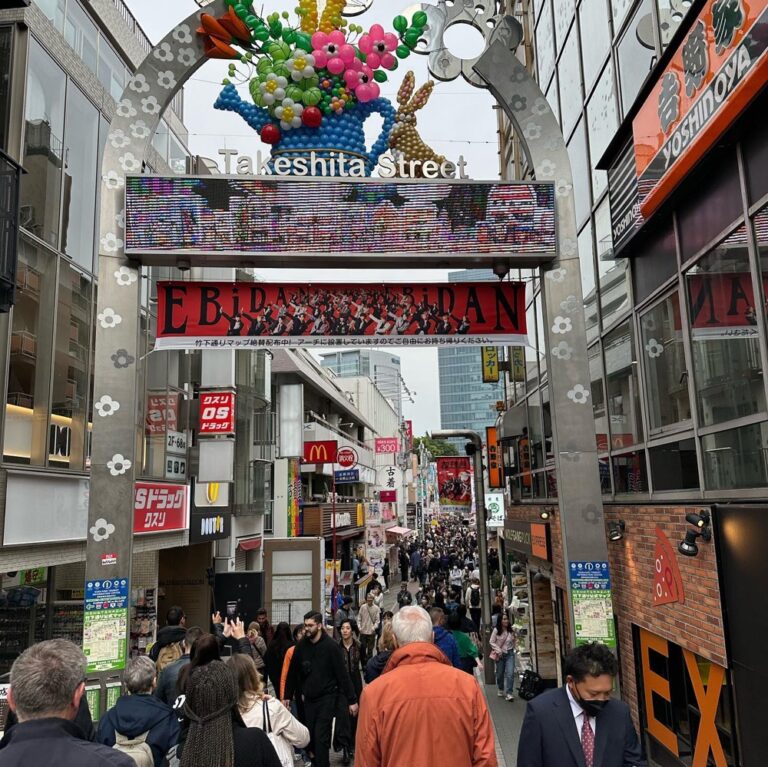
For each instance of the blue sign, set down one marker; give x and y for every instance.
(347, 476)
(109, 594)
(592, 606)
(590, 576)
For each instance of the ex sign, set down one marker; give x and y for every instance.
(321, 452)
(217, 412)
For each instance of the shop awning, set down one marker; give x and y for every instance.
(249, 545)
(399, 531)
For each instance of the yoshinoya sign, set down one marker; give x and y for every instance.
(217, 315)
(713, 76)
(288, 221)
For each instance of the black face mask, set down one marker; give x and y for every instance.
(591, 708)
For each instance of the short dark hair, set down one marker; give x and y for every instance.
(593, 659)
(174, 616)
(437, 615)
(314, 615)
(193, 634)
(261, 611)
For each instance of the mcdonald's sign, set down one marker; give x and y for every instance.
(320, 452)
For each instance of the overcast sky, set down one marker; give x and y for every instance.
(459, 120)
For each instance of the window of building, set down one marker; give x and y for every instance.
(673, 466)
(613, 272)
(564, 10)
(177, 156)
(636, 54)
(723, 314)
(598, 398)
(531, 354)
(29, 374)
(6, 51)
(666, 376)
(622, 388)
(755, 151)
(54, 10)
(619, 8)
(603, 120)
(81, 138)
(587, 263)
(541, 337)
(160, 140)
(553, 99)
(569, 72)
(736, 458)
(70, 369)
(595, 37)
(82, 35)
(630, 474)
(535, 431)
(43, 148)
(577, 151)
(545, 45)
(112, 72)
(670, 14)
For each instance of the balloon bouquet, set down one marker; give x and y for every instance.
(313, 84)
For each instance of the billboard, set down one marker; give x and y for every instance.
(335, 222)
(454, 482)
(389, 445)
(212, 315)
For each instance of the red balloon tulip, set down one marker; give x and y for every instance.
(270, 134)
(312, 117)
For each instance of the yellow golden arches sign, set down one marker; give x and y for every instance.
(212, 490)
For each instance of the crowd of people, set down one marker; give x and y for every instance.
(385, 688)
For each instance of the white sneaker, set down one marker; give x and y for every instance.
(510, 697)
(500, 693)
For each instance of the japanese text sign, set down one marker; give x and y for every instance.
(159, 507)
(490, 357)
(217, 412)
(387, 445)
(495, 467)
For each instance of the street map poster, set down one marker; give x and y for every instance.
(592, 606)
(105, 624)
(454, 480)
(221, 315)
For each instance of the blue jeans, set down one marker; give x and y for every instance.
(505, 673)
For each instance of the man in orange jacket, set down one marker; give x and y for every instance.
(420, 685)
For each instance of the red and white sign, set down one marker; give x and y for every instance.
(409, 433)
(162, 413)
(217, 412)
(667, 581)
(388, 496)
(347, 458)
(160, 507)
(389, 445)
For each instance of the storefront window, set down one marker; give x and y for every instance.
(569, 72)
(29, 374)
(598, 398)
(70, 369)
(545, 44)
(82, 35)
(666, 377)
(43, 150)
(577, 150)
(112, 72)
(622, 388)
(595, 37)
(736, 458)
(603, 119)
(629, 473)
(728, 371)
(673, 466)
(636, 54)
(81, 138)
(587, 263)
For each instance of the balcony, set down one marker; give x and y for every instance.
(318, 430)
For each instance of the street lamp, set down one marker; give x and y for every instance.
(474, 450)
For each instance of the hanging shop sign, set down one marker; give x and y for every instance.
(214, 220)
(211, 495)
(592, 605)
(105, 624)
(409, 434)
(323, 451)
(295, 521)
(495, 466)
(626, 217)
(202, 315)
(388, 496)
(494, 508)
(347, 457)
(490, 359)
(454, 481)
(162, 413)
(532, 538)
(160, 508)
(389, 445)
(347, 477)
(209, 526)
(667, 580)
(719, 68)
(217, 413)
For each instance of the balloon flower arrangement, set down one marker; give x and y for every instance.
(314, 82)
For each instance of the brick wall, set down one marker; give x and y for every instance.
(696, 624)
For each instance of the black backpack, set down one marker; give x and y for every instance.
(474, 598)
(530, 685)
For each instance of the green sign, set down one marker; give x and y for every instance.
(93, 696)
(592, 605)
(104, 639)
(113, 693)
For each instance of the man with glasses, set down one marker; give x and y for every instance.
(318, 677)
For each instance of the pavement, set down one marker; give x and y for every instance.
(507, 715)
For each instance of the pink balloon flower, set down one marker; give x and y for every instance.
(332, 52)
(378, 47)
(359, 79)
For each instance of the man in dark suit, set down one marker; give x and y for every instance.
(580, 724)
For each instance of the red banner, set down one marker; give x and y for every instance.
(454, 481)
(160, 508)
(722, 306)
(204, 315)
(321, 451)
(217, 412)
(409, 433)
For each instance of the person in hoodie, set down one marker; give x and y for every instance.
(140, 711)
(443, 638)
(172, 633)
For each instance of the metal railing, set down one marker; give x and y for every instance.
(135, 27)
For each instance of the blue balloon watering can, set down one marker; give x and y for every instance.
(340, 134)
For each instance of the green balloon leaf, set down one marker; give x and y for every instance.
(295, 92)
(400, 24)
(312, 96)
(412, 37)
(279, 51)
(380, 76)
(419, 19)
(289, 36)
(304, 41)
(403, 51)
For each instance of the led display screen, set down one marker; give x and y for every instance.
(335, 222)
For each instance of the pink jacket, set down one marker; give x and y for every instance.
(503, 643)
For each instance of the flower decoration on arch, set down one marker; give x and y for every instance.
(579, 394)
(106, 406)
(122, 359)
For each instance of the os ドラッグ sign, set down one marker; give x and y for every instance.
(203, 315)
(282, 222)
(719, 68)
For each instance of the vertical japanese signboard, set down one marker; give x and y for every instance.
(294, 498)
(217, 412)
(495, 468)
(454, 480)
(490, 358)
(105, 624)
(592, 606)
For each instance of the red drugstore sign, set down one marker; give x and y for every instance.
(217, 412)
(387, 445)
(160, 508)
(162, 413)
(719, 68)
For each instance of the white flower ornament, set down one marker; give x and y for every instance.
(125, 109)
(654, 348)
(579, 394)
(289, 114)
(562, 351)
(301, 66)
(182, 34)
(109, 318)
(166, 79)
(562, 325)
(111, 243)
(125, 276)
(150, 105)
(101, 530)
(114, 181)
(164, 52)
(139, 84)
(273, 88)
(107, 406)
(118, 465)
(139, 129)
(118, 139)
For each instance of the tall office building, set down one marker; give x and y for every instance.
(381, 367)
(465, 401)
